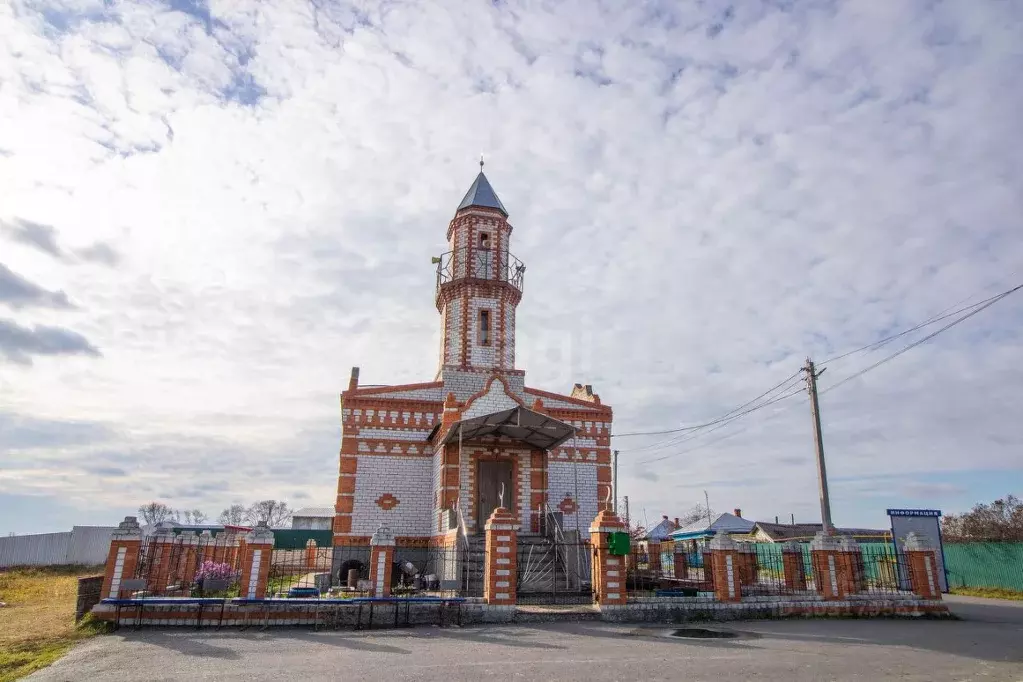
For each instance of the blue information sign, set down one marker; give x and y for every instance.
(914, 512)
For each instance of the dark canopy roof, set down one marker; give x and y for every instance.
(522, 424)
(482, 194)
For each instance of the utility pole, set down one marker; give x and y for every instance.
(614, 479)
(822, 474)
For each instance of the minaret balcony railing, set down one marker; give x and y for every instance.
(478, 263)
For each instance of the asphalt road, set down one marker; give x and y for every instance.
(987, 644)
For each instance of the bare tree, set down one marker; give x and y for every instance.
(697, 513)
(155, 512)
(194, 516)
(1000, 521)
(274, 512)
(233, 515)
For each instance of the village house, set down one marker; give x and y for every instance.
(432, 459)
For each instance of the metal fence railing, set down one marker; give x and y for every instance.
(344, 570)
(185, 565)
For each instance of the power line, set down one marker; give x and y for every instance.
(977, 307)
(699, 430)
(728, 417)
(986, 304)
(929, 321)
(720, 426)
(705, 424)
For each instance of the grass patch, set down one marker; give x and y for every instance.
(989, 592)
(38, 624)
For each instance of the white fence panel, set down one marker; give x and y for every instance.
(45, 549)
(89, 545)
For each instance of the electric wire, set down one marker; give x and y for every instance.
(983, 305)
(700, 430)
(710, 423)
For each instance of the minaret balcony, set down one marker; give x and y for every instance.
(479, 264)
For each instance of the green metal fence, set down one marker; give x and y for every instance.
(985, 564)
(295, 538)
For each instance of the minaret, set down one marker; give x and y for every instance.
(479, 284)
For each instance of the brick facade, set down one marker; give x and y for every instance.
(394, 469)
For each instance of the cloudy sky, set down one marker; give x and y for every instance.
(210, 211)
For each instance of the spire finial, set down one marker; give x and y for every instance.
(481, 162)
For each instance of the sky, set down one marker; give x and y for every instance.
(211, 211)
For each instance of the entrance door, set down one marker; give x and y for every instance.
(490, 475)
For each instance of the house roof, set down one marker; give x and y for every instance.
(780, 532)
(314, 512)
(661, 530)
(518, 423)
(482, 194)
(724, 523)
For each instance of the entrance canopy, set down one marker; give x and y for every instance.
(519, 423)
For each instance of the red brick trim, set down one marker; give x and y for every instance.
(359, 392)
(403, 446)
(592, 408)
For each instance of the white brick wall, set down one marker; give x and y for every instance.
(492, 401)
(465, 383)
(437, 463)
(415, 394)
(453, 331)
(483, 356)
(561, 480)
(417, 435)
(410, 479)
(509, 334)
(525, 512)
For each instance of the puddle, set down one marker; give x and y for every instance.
(704, 633)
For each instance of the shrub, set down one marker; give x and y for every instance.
(215, 571)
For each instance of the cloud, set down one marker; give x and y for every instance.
(703, 198)
(35, 235)
(929, 491)
(18, 344)
(100, 253)
(23, 432)
(18, 292)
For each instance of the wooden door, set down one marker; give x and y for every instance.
(490, 476)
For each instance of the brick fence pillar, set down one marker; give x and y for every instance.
(726, 568)
(707, 558)
(653, 553)
(310, 554)
(923, 566)
(828, 568)
(608, 572)
(748, 570)
(255, 562)
(122, 558)
(500, 569)
(189, 558)
(235, 544)
(793, 567)
(161, 571)
(680, 561)
(852, 568)
(207, 546)
(381, 561)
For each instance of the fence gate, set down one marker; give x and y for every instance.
(554, 570)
